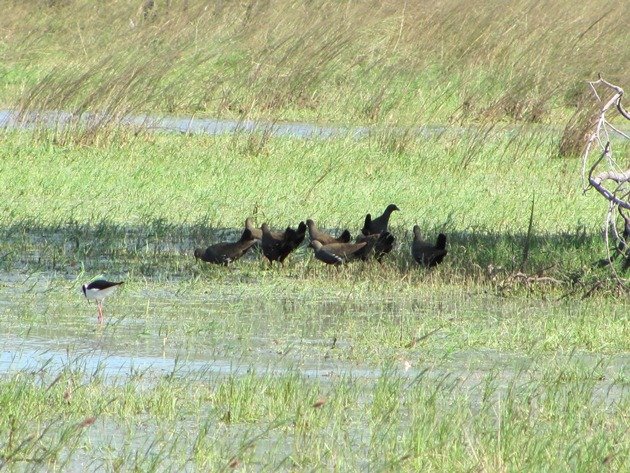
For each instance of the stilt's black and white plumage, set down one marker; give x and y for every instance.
(98, 290)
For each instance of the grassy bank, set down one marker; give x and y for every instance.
(455, 182)
(388, 62)
(171, 193)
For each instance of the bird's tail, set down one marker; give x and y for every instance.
(441, 242)
(345, 236)
(247, 235)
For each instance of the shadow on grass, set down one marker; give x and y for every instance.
(160, 248)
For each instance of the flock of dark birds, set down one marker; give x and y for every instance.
(374, 241)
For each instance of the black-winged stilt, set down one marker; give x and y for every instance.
(98, 290)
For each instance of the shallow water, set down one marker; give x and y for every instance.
(191, 125)
(245, 320)
(10, 119)
(158, 329)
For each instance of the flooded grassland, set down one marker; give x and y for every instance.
(272, 372)
(498, 359)
(512, 355)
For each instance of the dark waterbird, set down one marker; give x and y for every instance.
(379, 224)
(325, 238)
(384, 245)
(425, 253)
(337, 253)
(225, 253)
(296, 237)
(378, 244)
(276, 246)
(256, 232)
(98, 290)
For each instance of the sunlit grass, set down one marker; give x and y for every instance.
(453, 182)
(395, 62)
(149, 201)
(209, 422)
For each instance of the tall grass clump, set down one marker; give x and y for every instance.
(354, 62)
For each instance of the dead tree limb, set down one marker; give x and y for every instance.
(618, 177)
(604, 174)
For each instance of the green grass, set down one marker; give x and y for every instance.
(415, 373)
(459, 183)
(398, 62)
(500, 366)
(159, 195)
(466, 366)
(396, 422)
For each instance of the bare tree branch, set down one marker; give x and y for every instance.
(611, 183)
(618, 177)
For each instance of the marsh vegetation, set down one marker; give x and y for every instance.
(511, 355)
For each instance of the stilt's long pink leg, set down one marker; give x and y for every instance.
(100, 312)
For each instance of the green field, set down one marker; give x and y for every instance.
(512, 355)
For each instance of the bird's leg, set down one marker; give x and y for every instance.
(99, 304)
